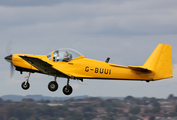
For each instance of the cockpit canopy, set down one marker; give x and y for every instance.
(64, 55)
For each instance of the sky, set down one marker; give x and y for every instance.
(127, 31)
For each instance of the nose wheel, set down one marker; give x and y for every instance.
(25, 85)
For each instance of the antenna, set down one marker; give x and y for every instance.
(107, 60)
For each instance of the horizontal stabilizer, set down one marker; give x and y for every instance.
(139, 68)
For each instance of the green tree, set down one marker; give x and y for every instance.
(135, 110)
(129, 98)
(171, 97)
(87, 109)
(156, 105)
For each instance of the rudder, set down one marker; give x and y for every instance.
(160, 62)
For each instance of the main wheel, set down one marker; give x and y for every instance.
(67, 90)
(25, 85)
(53, 86)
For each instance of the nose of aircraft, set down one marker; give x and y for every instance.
(8, 58)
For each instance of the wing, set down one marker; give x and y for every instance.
(139, 68)
(43, 66)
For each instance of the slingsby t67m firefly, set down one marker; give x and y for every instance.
(70, 64)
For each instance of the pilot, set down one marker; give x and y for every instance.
(67, 57)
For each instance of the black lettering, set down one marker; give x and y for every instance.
(101, 70)
(87, 69)
(110, 71)
(106, 71)
(96, 70)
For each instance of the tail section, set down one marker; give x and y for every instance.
(160, 62)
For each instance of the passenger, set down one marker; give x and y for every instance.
(56, 56)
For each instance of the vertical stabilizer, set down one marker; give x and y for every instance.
(160, 62)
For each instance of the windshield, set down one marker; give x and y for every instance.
(49, 56)
(64, 55)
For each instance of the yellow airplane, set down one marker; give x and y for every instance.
(70, 64)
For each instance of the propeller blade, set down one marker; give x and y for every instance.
(9, 47)
(9, 57)
(11, 70)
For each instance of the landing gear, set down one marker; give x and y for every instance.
(25, 85)
(53, 85)
(67, 89)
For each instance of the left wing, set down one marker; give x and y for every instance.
(43, 66)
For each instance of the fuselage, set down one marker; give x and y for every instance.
(84, 68)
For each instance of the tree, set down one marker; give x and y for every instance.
(129, 98)
(27, 100)
(156, 105)
(87, 109)
(135, 110)
(171, 97)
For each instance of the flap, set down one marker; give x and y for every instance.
(43, 66)
(139, 68)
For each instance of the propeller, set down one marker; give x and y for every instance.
(12, 70)
(9, 58)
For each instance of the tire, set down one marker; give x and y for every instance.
(67, 90)
(25, 87)
(53, 86)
